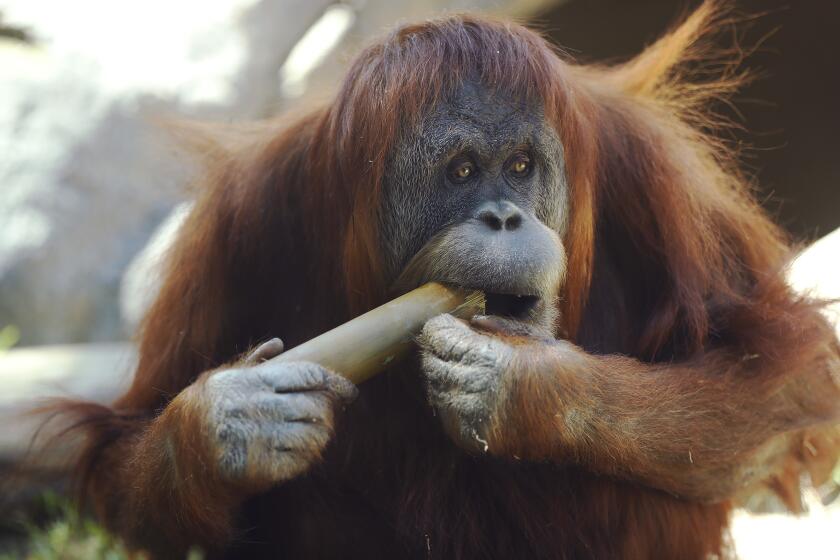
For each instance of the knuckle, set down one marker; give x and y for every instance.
(439, 321)
(289, 376)
(440, 326)
(435, 368)
(300, 438)
(462, 346)
(478, 382)
(486, 356)
(270, 421)
(302, 406)
(267, 408)
(342, 388)
(315, 375)
(275, 454)
(461, 384)
(467, 405)
(223, 380)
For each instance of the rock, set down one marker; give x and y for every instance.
(87, 174)
(31, 376)
(142, 279)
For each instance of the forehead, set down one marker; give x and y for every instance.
(476, 114)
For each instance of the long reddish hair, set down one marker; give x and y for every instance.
(283, 239)
(640, 133)
(294, 216)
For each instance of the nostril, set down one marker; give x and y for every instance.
(513, 221)
(500, 215)
(491, 219)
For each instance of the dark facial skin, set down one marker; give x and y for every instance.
(476, 196)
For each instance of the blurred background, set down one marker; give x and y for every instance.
(91, 189)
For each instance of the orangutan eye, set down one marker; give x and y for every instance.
(461, 170)
(520, 165)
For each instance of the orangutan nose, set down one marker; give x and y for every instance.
(500, 215)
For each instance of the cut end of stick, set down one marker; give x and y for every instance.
(474, 304)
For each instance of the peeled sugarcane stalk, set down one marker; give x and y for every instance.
(364, 346)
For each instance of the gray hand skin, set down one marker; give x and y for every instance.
(270, 421)
(464, 368)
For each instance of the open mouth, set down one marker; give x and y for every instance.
(509, 305)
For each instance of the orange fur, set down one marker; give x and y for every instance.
(671, 264)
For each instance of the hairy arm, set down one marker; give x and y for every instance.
(701, 429)
(175, 480)
(168, 463)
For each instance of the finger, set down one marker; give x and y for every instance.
(288, 451)
(467, 347)
(443, 375)
(443, 323)
(468, 406)
(296, 377)
(449, 338)
(265, 351)
(341, 387)
(296, 437)
(311, 406)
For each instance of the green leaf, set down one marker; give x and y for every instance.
(9, 336)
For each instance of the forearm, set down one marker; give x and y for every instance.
(234, 432)
(701, 429)
(156, 486)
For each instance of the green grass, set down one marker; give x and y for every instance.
(67, 535)
(9, 336)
